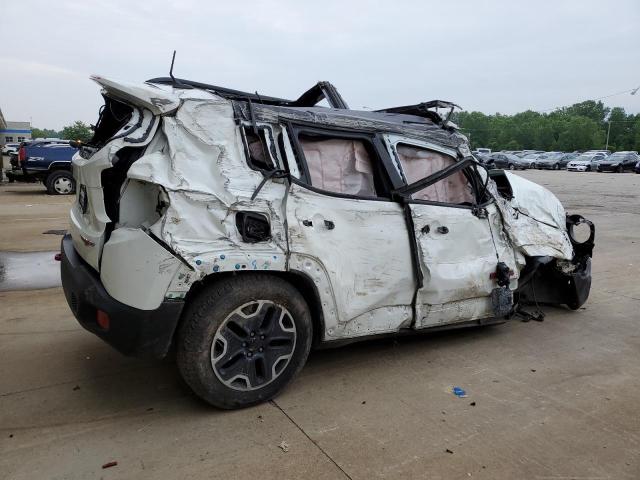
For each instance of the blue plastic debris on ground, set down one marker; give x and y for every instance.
(459, 392)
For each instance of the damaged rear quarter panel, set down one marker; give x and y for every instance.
(199, 160)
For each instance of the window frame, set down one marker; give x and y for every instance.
(384, 166)
(474, 179)
(265, 132)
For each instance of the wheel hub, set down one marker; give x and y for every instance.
(253, 345)
(62, 185)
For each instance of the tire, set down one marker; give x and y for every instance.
(512, 166)
(60, 182)
(533, 165)
(230, 349)
(556, 166)
(588, 169)
(619, 169)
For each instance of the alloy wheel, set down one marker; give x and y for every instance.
(253, 345)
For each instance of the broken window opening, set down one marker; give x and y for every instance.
(418, 163)
(113, 115)
(259, 148)
(346, 165)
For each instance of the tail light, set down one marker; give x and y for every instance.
(102, 319)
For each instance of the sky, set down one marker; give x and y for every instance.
(489, 56)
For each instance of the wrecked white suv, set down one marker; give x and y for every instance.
(242, 230)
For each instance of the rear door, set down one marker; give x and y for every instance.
(458, 235)
(347, 235)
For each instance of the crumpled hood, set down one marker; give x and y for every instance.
(534, 219)
(535, 201)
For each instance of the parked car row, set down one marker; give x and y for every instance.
(590, 161)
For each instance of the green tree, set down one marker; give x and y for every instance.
(43, 133)
(620, 129)
(636, 134)
(78, 131)
(581, 126)
(591, 109)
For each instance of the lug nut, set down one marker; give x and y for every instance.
(249, 354)
(244, 344)
(261, 337)
(253, 334)
(260, 349)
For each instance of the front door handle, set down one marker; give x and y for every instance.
(327, 223)
(443, 229)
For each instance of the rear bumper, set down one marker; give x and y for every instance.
(141, 333)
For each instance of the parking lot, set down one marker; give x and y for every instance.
(551, 400)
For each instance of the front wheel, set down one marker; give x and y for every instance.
(619, 169)
(243, 339)
(60, 183)
(512, 166)
(556, 166)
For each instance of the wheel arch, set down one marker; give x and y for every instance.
(57, 166)
(300, 281)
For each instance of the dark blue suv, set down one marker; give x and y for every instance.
(47, 161)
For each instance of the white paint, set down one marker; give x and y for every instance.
(87, 172)
(136, 270)
(534, 219)
(456, 266)
(365, 258)
(362, 269)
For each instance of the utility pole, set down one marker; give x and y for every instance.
(606, 147)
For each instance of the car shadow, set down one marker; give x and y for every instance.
(24, 191)
(136, 387)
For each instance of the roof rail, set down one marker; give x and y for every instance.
(309, 98)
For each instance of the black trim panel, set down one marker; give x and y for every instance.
(141, 333)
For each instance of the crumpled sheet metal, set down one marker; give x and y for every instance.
(199, 160)
(534, 219)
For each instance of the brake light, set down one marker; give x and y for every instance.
(102, 319)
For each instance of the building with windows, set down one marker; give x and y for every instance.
(13, 132)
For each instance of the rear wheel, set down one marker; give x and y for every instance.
(60, 183)
(243, 339)
(512, 166)
(556, 166)
(533, 165)
(619, 169)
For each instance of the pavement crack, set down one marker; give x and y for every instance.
(621, 295)
(322, 450)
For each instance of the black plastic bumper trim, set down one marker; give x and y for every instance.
(135, 332)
